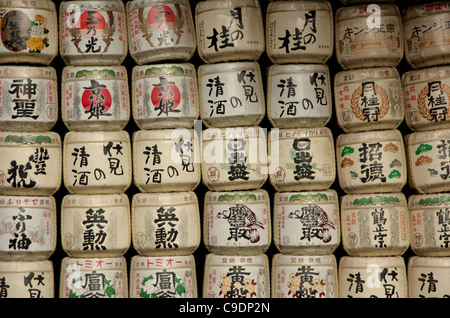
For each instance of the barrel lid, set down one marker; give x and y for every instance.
(358, 75)
(280, 6)
(282, 69)
(426, 201)
(48, 138)
(209, 5)
(429, 262)
(250, 196)
(164, 198)
(26, 266)
(96, 136)
(371, 200)
(282, 259)
(306, 197)
(363, 11)
(426, 136)
(425, 75)
(368, 136)
(364, 262)
(205, 69)
(425, 9)
(101, 200)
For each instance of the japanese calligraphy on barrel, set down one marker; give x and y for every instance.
(306, 222)
(165, 223)
(371, 162)
(369, 99)
(237, 222)
(375, 224)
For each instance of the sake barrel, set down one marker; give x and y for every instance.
(375, 224)
(369, 99)
(95, 98)
(160, 31)
(229, 30)
(93, 33)
(32, 279)
(429, 226)
(29, 98)
(368, 36)
(97, 162)
(237, 222)
(372, 277)
(306, 222)
(30, 163)
(426, 36)
(165, 223)
(163, 277)
(371, 162)
(304, 276)
(236, 276)
(313, 21)
(166, 160)
(299, 95)
(29, 32)
(104, 277)
(302, 159)
(95, 225)
(29, 228)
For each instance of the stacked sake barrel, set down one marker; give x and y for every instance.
(426, 88)
(299, 41)
(166, 167)
(97, 162)
(370, 154)
(30, 160)
(236, 211)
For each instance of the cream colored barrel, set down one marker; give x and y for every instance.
(231, 94)
(165, 223)
(368, 35)
(237, 222)
(429, 225)
(234, 158)
(426, 35)
(93, 33)
(313, 20)
(30, 163)
(427, 93)
(299, 95)
(306, 223)
(21, 279)
(372, 277)
(93, 278)
(95, 98)
(29, 228)
(165, 96)
(29, 98)
(375, 224)
(242, 22)
(236, 276)
(428, 277)
(369, 99)
(306, 276)
(166, 160)
(302, 159)
(29, 32)
(371, 162)
(97, 162)
(160, 31)
(95, 225)
(163, 277)
(428, 169)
